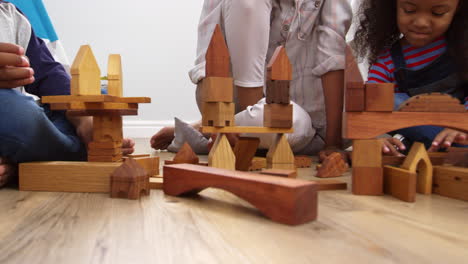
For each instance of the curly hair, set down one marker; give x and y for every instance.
(377, 30)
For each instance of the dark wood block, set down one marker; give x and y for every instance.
(277, 92)
(368, 180)
(278, 115)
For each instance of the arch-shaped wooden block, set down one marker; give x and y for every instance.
(284, 200)
(418, 161)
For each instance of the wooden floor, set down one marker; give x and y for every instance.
(217, 227)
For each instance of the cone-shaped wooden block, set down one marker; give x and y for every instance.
(279, 67)
(217, 56)
(86, 75)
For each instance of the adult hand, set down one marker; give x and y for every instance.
(15, 70)
(448, 136)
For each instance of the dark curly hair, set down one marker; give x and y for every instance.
(377, 30)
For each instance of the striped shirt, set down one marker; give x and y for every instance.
(416, 59)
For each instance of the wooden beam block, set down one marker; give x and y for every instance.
(331, 185)
(400, 183)
(126, 112)
(279, 172)
(258, 163)
(278, 115)
(107, 128)
(86, 75)
(185, 155)
(380, 97)
(150, 164)
(280, 153)
(355, 98)
(218, 114)
(287, 201)
(437, 158)
(217, 89)
(367, 180)
(58, 176)
(100, 98)
(457, 157)
(114, 75)
(217, 56)
(432, 102)
(418, 161)
(302, 161)
(245, 150)
(104, 152)
(367, 153)
(279, 68)
(93, 106)
(277, 92)
(105, 158)
(392, 160)
(451, 182)
(129, 181)
(221, 154)
(250, 130)
(358, 125)
(333, 166)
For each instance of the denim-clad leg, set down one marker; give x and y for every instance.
(29, 132)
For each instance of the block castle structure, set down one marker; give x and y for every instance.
(105, 150)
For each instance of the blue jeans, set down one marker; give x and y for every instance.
(29, 132)
(423, 134)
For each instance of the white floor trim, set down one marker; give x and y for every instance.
(145, 128)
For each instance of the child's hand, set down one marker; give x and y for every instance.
(391, 146)
(15, 70)
(448, 136)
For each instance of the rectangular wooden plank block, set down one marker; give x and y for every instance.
(280, 173)
(355, 100)
(217, 89)
(367, 153)
(278, 115)
(245, 150)
(58, 176)
(451, 182)
(367, 180)
(331, 185)
(288, 201)
(400, 183)
(380, 97)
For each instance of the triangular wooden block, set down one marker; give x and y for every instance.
(114, 75)
(280, 151)
(186, 155)
(221, 155)
(418, 161)
(86, 75)
(217, 56)
(279, 67)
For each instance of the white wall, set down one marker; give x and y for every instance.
(157, 41)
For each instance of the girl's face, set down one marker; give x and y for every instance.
(422, 21)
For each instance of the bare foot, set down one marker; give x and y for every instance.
(163, 138)
(128, 146)
(6, 172)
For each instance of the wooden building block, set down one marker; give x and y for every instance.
(124, 112)
(221, 154)
(331, 185)
(279, 68)
(105, 158)
(217, 89)
(355, 99)
(185, 155)
(59, 176)
(380, 97)
(217, 56)
(302, 161)
(352, 72)
(104, 152)
(437, 158)
(367, 180)
(277, 92)
(218, 114)
(433, 102)
(451, 182)
(457, 157)
(114, 75)
(104, 144)
(245, 150)
(287, 201)
(332, 166)
(247, 130)
(156, 183)
(357, 125)
(258, 163)
(150, 164)
(107, 128)
(280, 152)
(367, 153)
(400, 183)
(130, 181)
(418, 161)
(278, 115)
(280, 173)
(86, 75)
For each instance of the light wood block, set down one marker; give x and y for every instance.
(367, 180)
(367, 125)
(218, 114)
(105, 158)
(279, 68)
(280, 153)
(217, 56)
(249, 130)
(150, 164)
(258, 163)
(302, 161)
(400, 183)
(380, 97)
(86, 75)
(367, 153)
(93, 99)
(284, 200)
(126, 112)
(105, 144)
(58, 176)
(156, 183)
(93, 106)
(104, 152)
(107, 128)
(221, 154)
(451, 182)
(280, 173)
(278, 115)
(217, 89)
(418, 161)
(331, 185)
(114, 75)
(245, 150)
(277, 92)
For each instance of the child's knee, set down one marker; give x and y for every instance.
(17, 110)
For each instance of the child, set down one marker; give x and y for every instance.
(420, 45)
(28, 131)
(314, 35)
